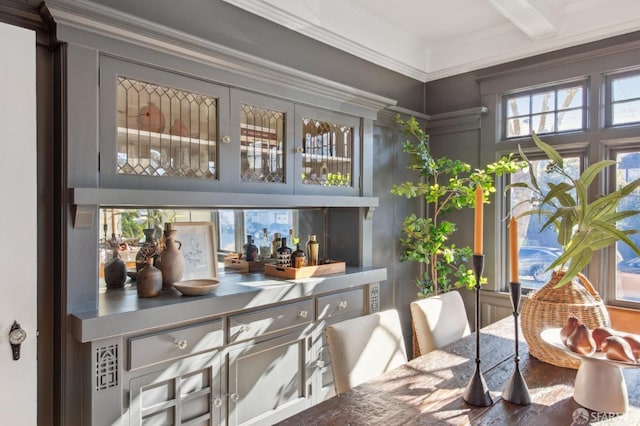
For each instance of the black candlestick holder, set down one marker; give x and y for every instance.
(516, 390)
(477, 392)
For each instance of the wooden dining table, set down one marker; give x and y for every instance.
(428, 390)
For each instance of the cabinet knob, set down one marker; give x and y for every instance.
(245, 328)
(300, 150)
(303, 314)
(181, 344)
(217, 402)
(226, 139)
(319, 363)
(342, 304)
(234, 397)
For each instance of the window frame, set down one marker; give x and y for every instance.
(505, 97)
(608, 98)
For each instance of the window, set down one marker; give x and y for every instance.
(554, 109)
(624, 99)
(538, 249)
(627, 261)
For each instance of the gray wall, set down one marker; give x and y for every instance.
(227, 25)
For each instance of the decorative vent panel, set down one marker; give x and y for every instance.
(165, 132)
(261, 144)
(327, 153)
(106, 367)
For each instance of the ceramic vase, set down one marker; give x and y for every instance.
(115, 271)
(283, 257)
(171, 261)
(149, 280)
(298, 257)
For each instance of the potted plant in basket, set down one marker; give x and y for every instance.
(582, 227)
(445, 185)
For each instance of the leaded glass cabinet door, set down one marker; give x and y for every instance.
(160, 130)
(262, 131)
(327, 157)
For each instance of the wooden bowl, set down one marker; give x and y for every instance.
(196, 287)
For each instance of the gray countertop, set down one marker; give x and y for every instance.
(122, 311)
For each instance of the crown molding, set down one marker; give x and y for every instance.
(111, 23)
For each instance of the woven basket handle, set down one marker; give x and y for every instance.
(587, 284)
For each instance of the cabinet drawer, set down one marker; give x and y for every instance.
(339, 306)
(267, 321)
(175, 343)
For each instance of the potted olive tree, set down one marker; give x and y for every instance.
(445, 185)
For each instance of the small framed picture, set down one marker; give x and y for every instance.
(199, 249)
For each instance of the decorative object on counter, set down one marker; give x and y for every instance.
(234, 261)
(198, 248)
(115, 270)
(583, 226)
(149, 248)
(283, 257)
(516, 390)
(298, 257)
(171, 260)
(196, 287)
(275, 244)
(149, 279)
(151, 119)
(477, 392)
(324, 267)
(264, 245)
(179, 128)
(250, 250)
(312, 250)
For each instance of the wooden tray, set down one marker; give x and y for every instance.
(327, 268)
(245, 266)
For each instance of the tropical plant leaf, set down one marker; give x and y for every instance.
(576, 266)
(548, 150)
(610, 230)
(592, 171)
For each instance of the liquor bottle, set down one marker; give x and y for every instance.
(312, 250)
(284, 254)
(251, 251)
(275, 244)
(264, 245)
(298, 257)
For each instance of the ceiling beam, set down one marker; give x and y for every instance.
(536, 18)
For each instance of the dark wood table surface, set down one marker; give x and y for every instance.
(428, 390)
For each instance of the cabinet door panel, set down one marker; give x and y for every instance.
(269, 381)
(160, 130)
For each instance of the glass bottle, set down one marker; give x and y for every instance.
(251, 251)
(284, 254)
(264, 245)
(312, 250)
(275, 244)
(298, 257)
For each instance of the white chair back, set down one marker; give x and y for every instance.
(364, 347)
(438, 321)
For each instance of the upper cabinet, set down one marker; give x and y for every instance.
(165, 130)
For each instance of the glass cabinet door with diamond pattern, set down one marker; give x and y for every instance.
(262, 131)
(327, 153)
(160, 130)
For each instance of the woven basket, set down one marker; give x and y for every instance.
(550, 307)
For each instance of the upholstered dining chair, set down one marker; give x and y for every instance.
(364, 347)
(438, 321)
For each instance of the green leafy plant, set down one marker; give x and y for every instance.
(446, 185)
(583, 227)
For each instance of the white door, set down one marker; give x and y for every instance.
(18, 236)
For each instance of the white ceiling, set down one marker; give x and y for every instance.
(432, 39)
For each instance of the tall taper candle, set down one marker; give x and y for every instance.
(513, 249)
(477, 241)
(113, 223)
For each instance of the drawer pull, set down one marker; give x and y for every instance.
(303, 314)
(319, 363)
(234, 397)
(300, 150)
(217, 402)
(181, 344)
(226, 139)
(245, 328)
(342, 304)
